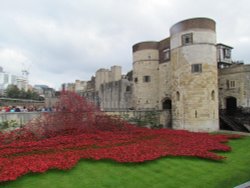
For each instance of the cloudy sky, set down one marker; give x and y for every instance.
(60, 41)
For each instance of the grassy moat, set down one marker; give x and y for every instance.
(163, 172)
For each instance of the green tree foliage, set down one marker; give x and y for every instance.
(130, 75)
(36, 96)
(12, 91)
(23, 94)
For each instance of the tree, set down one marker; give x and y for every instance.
(12, 91)
(29, 94)
(22, 94)
(129, 75)
(34, 96)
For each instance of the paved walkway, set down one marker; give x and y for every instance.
(244, 185)
(234, 132)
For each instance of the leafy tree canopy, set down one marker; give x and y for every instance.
(13, 91)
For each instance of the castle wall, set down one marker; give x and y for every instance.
(115, 95)
(105, 75)
(234, 81)
(20, 117)
(162, 117)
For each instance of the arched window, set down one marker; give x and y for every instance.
(128, 88)
(196, 114)
(212, 95)
(167, 104)
(177, 96)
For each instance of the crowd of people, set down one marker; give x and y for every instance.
(4, 109)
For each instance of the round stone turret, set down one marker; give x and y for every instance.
(145, 75)
(194, 70)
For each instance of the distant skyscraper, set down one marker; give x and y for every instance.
(7, 79)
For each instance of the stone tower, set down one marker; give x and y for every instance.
(105, 76)
(145, 75)
(179, 75)
(194, 75)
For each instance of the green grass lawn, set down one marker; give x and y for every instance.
(165, 172)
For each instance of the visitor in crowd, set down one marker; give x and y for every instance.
(44, 109)
(26, 109)
(17, 109)
(7, 108)
(12, 109)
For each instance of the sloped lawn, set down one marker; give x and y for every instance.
(163, 172)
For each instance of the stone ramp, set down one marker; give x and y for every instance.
(233, 132)
(235, 125)
(244, 185)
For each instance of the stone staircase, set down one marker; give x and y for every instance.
(232, 123)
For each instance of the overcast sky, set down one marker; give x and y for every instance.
(60, 41)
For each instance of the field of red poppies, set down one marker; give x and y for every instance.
(77, 130)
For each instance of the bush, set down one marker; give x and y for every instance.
(8, 124)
